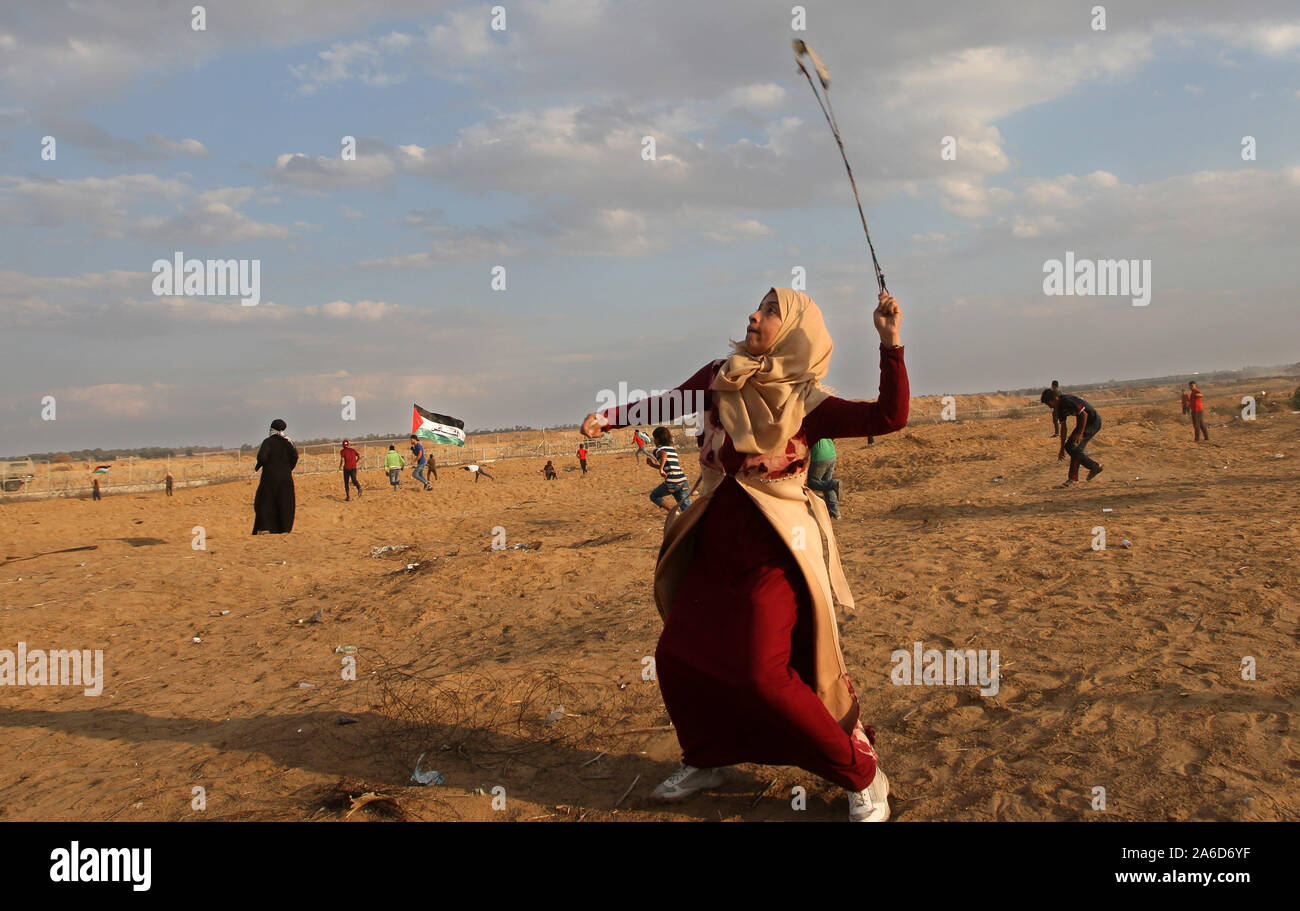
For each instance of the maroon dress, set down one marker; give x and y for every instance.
(737, 646)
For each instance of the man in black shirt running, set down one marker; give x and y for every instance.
(1087, 423)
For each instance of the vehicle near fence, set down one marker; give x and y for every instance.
(15, 473)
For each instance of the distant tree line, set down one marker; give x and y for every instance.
(108, 455)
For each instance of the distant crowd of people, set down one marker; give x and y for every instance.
(274, 502)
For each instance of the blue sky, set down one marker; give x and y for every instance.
(521, 148)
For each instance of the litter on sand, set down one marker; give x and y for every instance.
(388, 548)
(433, 776)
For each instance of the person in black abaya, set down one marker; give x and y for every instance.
(273, 505)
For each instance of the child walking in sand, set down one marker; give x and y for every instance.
(674, 479)
(749, 661)
(394, 463)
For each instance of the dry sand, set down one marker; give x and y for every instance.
(1120, 668)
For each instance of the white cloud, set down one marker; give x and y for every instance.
(761, 95)
(90, 284)
(1249, 205)
(103, 204)
(970, 199)
(184, 147)
(1023, 226)
(370, 169)
(74, 54)
(212, 216)
(367, 311)
(1272, 39)
(111, 207)
(347, 60)
(1101, 179)
(747, 229)
(114, 400)
(989, 83)
(465, 39)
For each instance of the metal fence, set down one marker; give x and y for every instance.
(135, 475)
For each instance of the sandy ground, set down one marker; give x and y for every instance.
(522, 668)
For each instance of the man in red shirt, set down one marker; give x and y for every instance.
(640, 441)
(348, 460)
(1198, 411)
(582, 458)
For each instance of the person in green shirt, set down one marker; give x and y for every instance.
(821, 468)
(394, 462)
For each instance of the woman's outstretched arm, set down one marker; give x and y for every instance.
(658, 409)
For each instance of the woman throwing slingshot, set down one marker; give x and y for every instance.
(749, 661)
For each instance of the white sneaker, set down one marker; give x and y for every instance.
(686, 781)
(872, 803)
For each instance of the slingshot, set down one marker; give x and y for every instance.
(824, 76)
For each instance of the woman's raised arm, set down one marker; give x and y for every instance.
(838, 417)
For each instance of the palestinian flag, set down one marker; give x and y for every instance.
(437, 428)
(102, 469)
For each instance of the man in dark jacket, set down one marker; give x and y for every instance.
(1087, 423)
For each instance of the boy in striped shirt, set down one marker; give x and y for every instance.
(675, 483)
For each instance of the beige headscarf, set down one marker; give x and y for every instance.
(762, 400)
